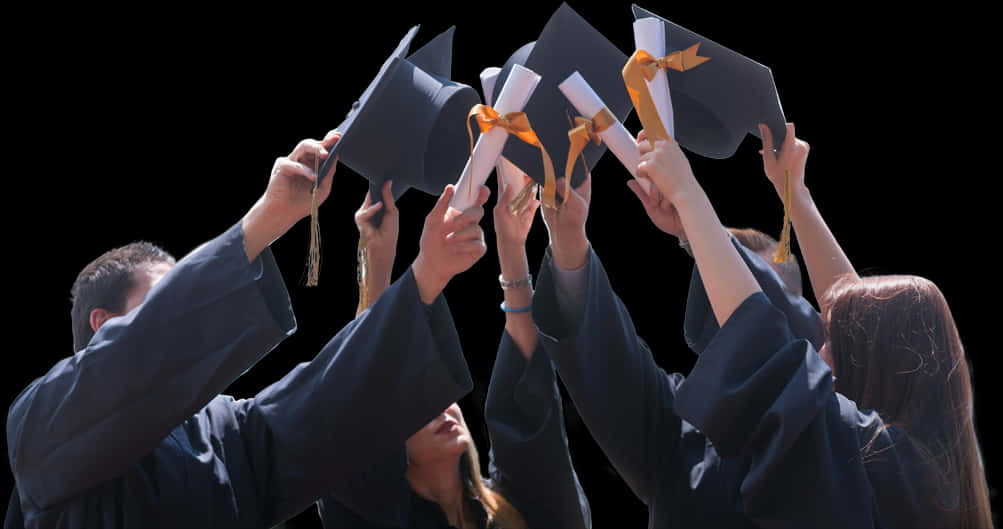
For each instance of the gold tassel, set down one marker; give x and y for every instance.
(313, 264)
(521, 200)
(362, 274)
(784, 247)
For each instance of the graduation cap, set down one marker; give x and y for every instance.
(567, 43)
(408, 125)
(716, 104)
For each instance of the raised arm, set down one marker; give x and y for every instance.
(726, 279)
(622, 395)
(517, 285)
(530, 461)
(380, 379)
(380, 245)
(823, 256)
(216, 313)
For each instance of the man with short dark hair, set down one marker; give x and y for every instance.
(103, 287)
(131, 431)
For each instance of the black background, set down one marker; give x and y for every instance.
(162, 124)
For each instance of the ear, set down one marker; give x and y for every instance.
(99, 316)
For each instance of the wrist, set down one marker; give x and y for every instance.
(261, 226)
(510, 246)
(570, 255)
(429, 285)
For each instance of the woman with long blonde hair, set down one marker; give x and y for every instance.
(435, 479)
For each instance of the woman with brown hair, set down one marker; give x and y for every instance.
(876, 429)
(435, 479)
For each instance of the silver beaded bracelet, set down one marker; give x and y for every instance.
(518, 283)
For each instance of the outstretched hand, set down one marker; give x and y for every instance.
(661, 212)
(289, 195)
(667, 167)
(289, 191)
(792, 156)
(513, 229)
(451, 242)
(566, 225)
(381, 242)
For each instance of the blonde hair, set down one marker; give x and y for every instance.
(501, 513)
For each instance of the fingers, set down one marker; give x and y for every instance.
(585, 189)
(331, 138)
(767, 137)
(641, 136)
(474, 248)
(469, 216)
(530, 210)
(468, 233)
(388, 197)
(307, 151)
(482, 196)
(286, 166)
(364, 215)
(789, 140)
(645, 199)
(504, 196)
(442, 205)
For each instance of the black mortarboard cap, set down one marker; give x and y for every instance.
(567, 43)
(716, 104)
(408, 126)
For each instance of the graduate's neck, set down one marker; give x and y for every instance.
(440, 482)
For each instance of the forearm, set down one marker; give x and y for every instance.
(727, 280)
(823, 256)
(262, 225)
(515, 266)
(377, 281)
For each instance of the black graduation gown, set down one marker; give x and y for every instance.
(753, 437)
(529, 460)
(131, 431)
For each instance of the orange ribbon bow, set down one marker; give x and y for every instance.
(641, 68)
(517, 124)
(584, 131)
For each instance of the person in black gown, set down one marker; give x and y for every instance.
(434, 478)
(759, 433)
(131, 430)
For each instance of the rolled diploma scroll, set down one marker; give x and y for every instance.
(508, 172)
(616, 137)
(649, 35)
(513, 97)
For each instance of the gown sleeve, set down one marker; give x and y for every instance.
(98, 412)
(386, 374)
(760, 392)
(700, 324)
(530, 462)
(623, 396)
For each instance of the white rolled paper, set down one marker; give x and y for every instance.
(649, 35)
(508, 172)
(514, 94)
(616, 136)
(488, 78)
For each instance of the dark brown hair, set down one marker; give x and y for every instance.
(501, 513)
(761, 243)
(896, 350)
(105, 283)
